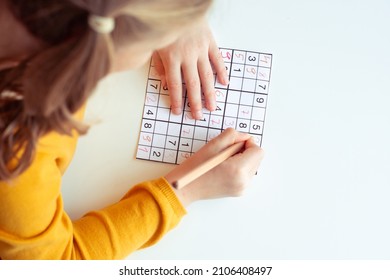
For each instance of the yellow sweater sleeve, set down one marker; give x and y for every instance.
(34, 225)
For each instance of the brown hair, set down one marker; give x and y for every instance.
(51, 85)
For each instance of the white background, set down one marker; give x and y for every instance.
(323, 189)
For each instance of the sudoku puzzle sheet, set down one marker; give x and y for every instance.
(241, 104)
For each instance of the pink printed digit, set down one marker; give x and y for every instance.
(215, 122)
(227, 55)
(185, 155)
(251, 70)
(143, 149)
(240, 56)
(219, 93)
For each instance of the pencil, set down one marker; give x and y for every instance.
(208, 165)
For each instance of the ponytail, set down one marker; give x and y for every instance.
(53, 85)
(44, 91)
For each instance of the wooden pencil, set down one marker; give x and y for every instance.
(208, 165)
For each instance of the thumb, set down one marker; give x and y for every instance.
(251, 157)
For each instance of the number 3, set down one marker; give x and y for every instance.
(251, 58)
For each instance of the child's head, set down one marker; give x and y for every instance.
(56, 81)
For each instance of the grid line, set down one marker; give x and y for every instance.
(246, 59)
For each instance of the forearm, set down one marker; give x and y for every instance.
(139, 219)
(34, 225)
(144, 215)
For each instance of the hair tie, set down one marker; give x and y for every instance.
(103, 25)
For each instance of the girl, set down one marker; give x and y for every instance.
(52, 55)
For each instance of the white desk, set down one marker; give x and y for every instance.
(324, 187)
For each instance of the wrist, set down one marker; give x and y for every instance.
(185, 195)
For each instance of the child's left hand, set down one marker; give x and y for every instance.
(193, 54)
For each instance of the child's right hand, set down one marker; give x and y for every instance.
(227, 179)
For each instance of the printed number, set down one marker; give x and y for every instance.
(185, 145)
(218, 109)
(149, 112)
(157, 154)
(266, 59)
(263, 74)
(153, 86)
(151, 99)
(229, 123)
(263, 87)
(256, 127)
(260, 100)
(251, 70)
(165, 88)
(242, 125)
(148, 125)
(218, 121)
(185, 155)
(219, 93)
(239, 55)
(251, 58)
(242, 270)
(173, 143)
(237, 70)
(228, 56)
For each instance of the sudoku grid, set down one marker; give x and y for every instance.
(170, 138)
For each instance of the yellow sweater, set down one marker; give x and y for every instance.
(34, 225)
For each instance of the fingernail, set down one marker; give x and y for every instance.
(226, 80)
(164, 82)
(212, 106)
(198, 115)
(176, 111)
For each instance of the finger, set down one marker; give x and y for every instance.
(9, 64)
(218, 63)
(191, 77)
(207, 81)
(227, 138)
(174, 84)
(250, 143)
(251, 157)
(215, 146)
(158, 64)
